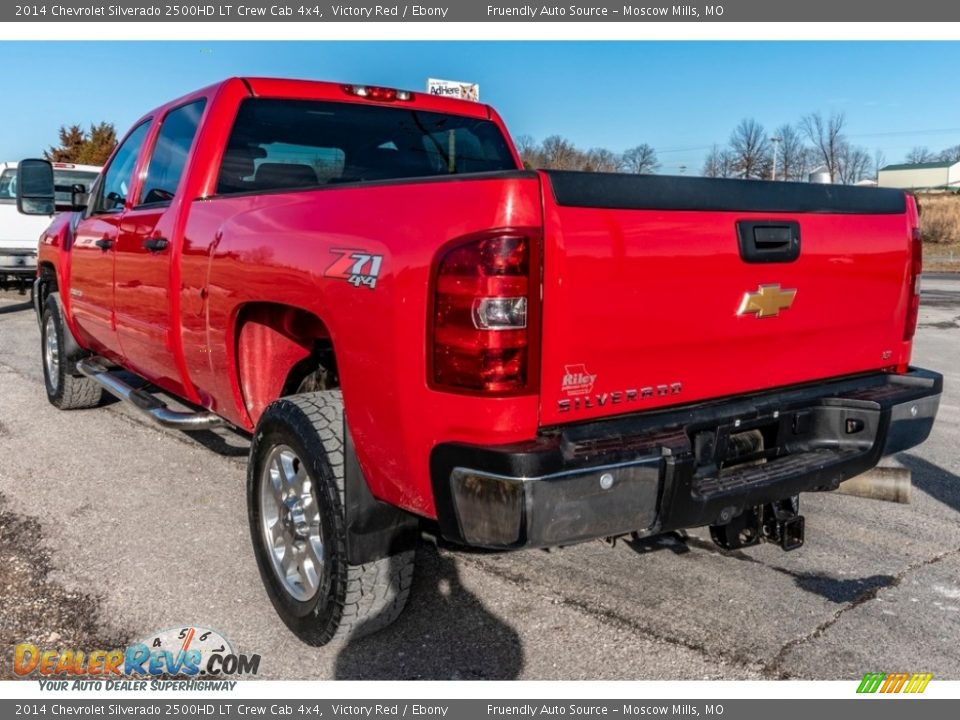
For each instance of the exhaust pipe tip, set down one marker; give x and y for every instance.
(889, 484)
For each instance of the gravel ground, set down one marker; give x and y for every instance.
(37, 609)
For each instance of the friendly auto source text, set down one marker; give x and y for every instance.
(530, 710)
(586, 11)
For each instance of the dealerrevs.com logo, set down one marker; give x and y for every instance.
(189, 652)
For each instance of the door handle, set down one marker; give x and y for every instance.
(104, 243)
(155, 244)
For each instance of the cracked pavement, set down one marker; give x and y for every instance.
(147, 527)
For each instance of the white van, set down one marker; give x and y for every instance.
(19, 234)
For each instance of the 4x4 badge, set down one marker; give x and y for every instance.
(357, 267)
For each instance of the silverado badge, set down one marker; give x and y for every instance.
(767, 301)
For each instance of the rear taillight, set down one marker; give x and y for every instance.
(916, 267)
(485, 308)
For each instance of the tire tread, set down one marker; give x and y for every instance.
(367, 597)
(75, 392)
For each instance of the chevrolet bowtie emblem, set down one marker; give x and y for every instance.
(767, 301)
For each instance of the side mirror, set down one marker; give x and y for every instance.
(79, 197)
(35, 191)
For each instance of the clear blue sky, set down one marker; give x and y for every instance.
(680, 97)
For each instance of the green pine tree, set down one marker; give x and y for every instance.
(84, 148)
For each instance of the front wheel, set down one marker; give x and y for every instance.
(65, 389)
(295, 496)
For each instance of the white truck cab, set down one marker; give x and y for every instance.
(19, 234)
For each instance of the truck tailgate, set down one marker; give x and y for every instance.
(649, 299)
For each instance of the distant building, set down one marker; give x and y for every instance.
(866, 183)
(921, 176)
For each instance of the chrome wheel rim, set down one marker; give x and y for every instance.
(290, 523)
(51, 353)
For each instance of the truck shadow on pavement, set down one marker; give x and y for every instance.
(837, 590)
(19, 307)
(226, 441)
(932, 479)
(445, 633)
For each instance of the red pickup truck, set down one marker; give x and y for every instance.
(417, 330)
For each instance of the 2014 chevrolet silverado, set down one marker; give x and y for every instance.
(414, 328)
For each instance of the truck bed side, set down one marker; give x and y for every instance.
(282, 250)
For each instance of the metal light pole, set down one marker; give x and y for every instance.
(776, 144)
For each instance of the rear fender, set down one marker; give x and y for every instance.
(271, 340)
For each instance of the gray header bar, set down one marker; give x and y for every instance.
(630, 11)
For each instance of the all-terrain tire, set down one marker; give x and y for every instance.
(352, 600)
(66, 389)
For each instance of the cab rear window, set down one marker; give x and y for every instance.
(295, 144)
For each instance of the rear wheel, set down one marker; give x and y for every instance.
(295, 495)
(66, 389)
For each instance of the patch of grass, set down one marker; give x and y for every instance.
(942, 263)
(940, 218)
(940, 227)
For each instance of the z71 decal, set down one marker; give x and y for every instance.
(359, 268)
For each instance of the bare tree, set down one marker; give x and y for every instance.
(601, 160)
(811, 161)
(951, 154)
(854, 164)
(727, 164)
(879, 161)
(920, 154)
(529, 151)
(826, 136)
(718, 164)
(640, 160)
(560, 154)
(712, 163)
(792, 163)
(750, 149)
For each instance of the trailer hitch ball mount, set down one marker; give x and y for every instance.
(778, 522)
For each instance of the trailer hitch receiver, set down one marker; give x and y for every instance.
(778, 522)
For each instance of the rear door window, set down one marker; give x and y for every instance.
(295, 144)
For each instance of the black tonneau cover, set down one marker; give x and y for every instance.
(664, 192)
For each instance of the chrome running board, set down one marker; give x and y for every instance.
(146, 403)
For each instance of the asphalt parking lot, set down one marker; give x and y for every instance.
(120, 529)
